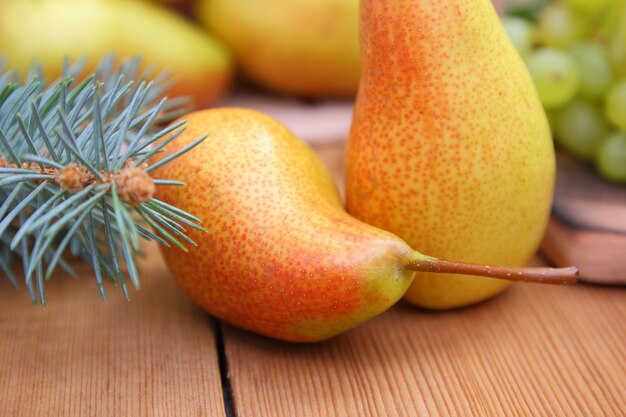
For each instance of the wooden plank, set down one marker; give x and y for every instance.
(586, 201)
(588, 227)
(152, 356)
(535, 350)
(598, 254)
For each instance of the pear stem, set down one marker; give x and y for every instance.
(557, 276)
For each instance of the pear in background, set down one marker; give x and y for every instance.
(450, 148)
(300, 47)
(46, 31)
(184, 7)
(281, 256)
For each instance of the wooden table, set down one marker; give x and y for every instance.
(533, 351)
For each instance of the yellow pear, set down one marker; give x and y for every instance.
(47, 31)
(450, 148)
(280, 255)
(184, 7)
(300, 47)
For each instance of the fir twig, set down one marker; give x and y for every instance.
(74, 171)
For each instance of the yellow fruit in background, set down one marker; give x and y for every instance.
(46, 31)
(300, 47)
(185, 7)
(169, 2)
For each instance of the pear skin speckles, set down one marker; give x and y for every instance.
(450, 148)
(280, 256)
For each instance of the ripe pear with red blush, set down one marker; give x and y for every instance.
(280, 255)
(450, 148)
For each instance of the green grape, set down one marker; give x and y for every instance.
(596, 74)
(555, 74)
(615, 106)
(520, 6)
(611, 158)
(589, 6)
(617, 55)
(559, 26)
(526, 8)
(580, 128)
(612, 31)
(521, 32)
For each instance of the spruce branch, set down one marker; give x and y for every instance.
(75, 172)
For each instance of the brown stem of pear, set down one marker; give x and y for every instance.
(557, 276)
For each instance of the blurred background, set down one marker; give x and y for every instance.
(259, 53)
(298, 60)
(263, 53)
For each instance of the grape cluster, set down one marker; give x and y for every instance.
(575, 51)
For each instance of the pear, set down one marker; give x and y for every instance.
(449, 148)
(298, 47)
(280, 255)
(48, 31)
(184, 7)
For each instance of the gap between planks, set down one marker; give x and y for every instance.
(152, 356)
(227, 391)
(534, 350)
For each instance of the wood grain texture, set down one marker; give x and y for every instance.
(534, 351)
(598, 254)
(152, 356)
(588, 226)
